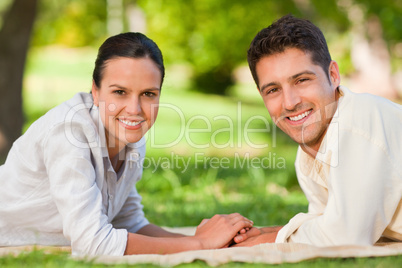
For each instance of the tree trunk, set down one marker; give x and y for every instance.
(14, 42)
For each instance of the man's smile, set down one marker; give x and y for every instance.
(300, 116)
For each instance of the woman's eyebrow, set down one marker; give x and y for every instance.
(118, 86)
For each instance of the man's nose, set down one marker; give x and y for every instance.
(291, 98)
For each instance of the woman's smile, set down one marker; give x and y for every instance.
(134, 124)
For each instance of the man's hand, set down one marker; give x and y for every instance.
(255, 240)
(256, 236)
(244, 235)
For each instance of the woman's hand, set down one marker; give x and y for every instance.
(219, 231)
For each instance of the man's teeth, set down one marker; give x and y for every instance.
(300, 116)
(129, 123)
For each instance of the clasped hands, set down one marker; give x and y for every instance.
(255, 236)
(232, 230)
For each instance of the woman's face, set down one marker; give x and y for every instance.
(128, 100)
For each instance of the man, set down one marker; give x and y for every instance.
(349, 159)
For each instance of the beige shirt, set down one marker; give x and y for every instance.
(58, 186)
(354, 185)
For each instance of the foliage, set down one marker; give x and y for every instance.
(214, 35)
(389, 13)
(73, 23)
(211, 36)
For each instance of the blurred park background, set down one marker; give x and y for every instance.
(213, 148)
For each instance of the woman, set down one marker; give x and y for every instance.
(70, 179)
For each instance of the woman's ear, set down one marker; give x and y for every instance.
(334, 75)
(94, 92)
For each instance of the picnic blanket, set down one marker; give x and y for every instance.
(263, 253)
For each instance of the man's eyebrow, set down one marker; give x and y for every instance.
(268, 85)
(300, 74)
(289, 79)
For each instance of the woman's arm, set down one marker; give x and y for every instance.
(156, 231)
(217, 232)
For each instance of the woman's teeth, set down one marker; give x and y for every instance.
(300, 116)
(129, 123)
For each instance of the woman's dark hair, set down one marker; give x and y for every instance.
(289, 32)
(128, 45)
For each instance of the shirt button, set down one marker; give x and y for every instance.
(111, 197)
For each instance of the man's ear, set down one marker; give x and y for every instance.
(94, 92)
(334, 76)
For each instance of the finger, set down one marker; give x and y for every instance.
(237, 218)
(244, 236)
(241, 224)
(244, 230)
(232, 215)
(240, 238)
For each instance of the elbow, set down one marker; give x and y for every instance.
(110, 242)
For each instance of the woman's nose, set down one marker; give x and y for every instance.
(133, 106)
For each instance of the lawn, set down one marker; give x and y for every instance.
(205, 155)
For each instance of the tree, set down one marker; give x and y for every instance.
(14, 42)
(71, 23)
(213, 36)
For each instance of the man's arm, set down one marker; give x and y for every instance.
(364, 191)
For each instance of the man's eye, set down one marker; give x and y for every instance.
(301, 80)
(119, 92)
(272, 90)
(149, 94)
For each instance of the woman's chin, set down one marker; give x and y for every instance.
(129, 140)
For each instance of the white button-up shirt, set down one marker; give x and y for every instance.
(354, 185)
(58, 186)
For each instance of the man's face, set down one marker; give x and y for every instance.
(298, 95)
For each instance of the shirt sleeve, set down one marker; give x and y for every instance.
(77, 196)
(131, 216)
(364, 190)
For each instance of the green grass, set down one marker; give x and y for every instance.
(40, 259)
(220, 178)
